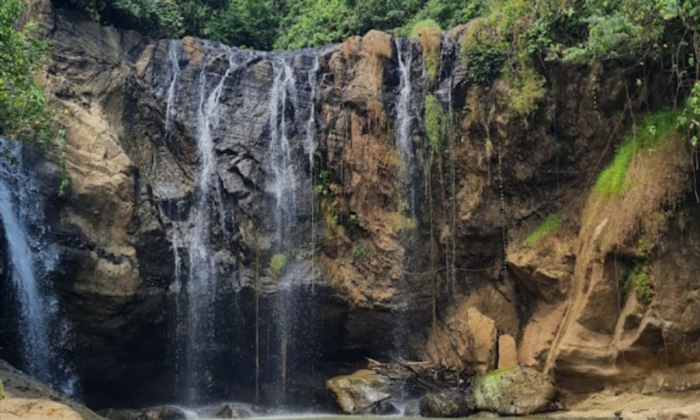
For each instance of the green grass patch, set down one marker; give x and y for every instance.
(652, 133)
(423, 25)
(548, 225)
(430, 36)
(639, 279)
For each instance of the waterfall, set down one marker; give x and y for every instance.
(404, 121)
(31, 259)
(310, 146)
(202, 276)
(174, 68)
(209, 292)
(448, 51)
(290, 117)
(284, 185)
(404, 143)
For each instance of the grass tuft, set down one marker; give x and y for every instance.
(435, 123)
(430, 36)
(652, 133)
(548, 225)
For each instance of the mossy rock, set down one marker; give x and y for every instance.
(445, 404)
(519, 391)
(360, 391)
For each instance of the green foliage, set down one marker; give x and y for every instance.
(628, 28)
(485, 61)
(579, 30)
(504, 42)
(164, 18)
(653, 131)
(380, 14)
(24, 111)
(430, 36)
(245, 23)
(323, 184)
(639, 278)
(277, 263)
(435, 123)
(526, 88)
(24, 108)
(689, 120)
(423, 25)
(445, 13)
(314, 22)
(548, 225)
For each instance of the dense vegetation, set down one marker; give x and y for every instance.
(24, 108)
(507, 38)
(275, 24)
(23, 105)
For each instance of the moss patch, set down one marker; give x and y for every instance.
(277, 263)
(548, 225)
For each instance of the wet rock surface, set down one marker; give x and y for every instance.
(519, 391)
(359, 392)
(445, 404)
(26, 398)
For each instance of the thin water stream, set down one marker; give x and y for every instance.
(32, 258)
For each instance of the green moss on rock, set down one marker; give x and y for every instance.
(445, 404)
(519, 391)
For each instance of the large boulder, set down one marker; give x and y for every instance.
(359, 391)
(520, 391)
(445, 404)
(26, 398)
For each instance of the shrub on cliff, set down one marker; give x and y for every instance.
(24, 113)
(24, 108)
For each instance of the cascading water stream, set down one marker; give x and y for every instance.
(291, 114)
(202, 234)
(31, 260)
(284, 187)
(174, 64)
(202, 275)
(447, 52)
(409, 177)
(404, 121)
(310, 146)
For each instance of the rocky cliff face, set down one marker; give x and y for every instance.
(229, 209)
